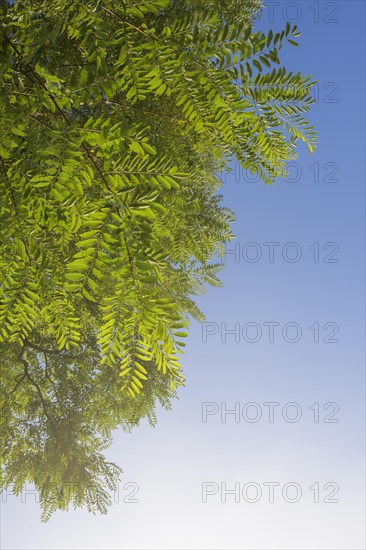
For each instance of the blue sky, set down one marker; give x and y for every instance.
(318, 214)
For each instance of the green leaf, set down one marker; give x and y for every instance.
(83, 77)
(74, 276)
(88, 296)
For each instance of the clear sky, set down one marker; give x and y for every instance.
(292, 452)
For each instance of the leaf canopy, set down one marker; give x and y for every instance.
(115, 119)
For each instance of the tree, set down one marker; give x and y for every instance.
(57, 418)
(116, 118)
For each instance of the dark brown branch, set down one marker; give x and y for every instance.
(12, 197)
(107, 10)
(35, 384)
(40, 348)
(22, 377)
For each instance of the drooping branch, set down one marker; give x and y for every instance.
(39, 391)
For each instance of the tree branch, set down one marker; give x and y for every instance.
(35, 384)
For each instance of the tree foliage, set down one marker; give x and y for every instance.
(115, 119)
(58, 415)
